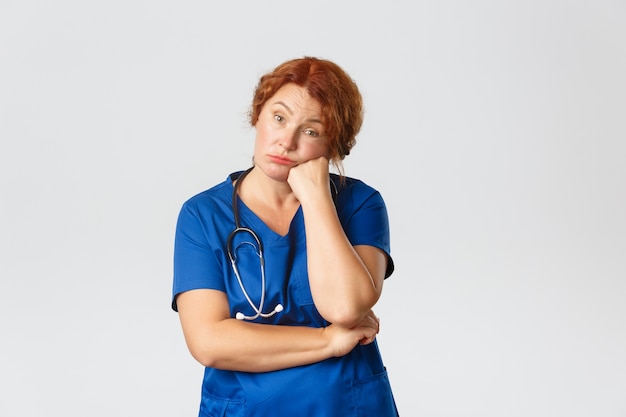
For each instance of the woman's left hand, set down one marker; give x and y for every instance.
(310, 179)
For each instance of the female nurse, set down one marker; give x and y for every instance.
(277, 268)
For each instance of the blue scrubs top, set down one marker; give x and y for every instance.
(353, 385)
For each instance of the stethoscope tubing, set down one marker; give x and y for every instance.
(259, 252)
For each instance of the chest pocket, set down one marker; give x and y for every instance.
(300, 288)
(296, 271)
(287, 271)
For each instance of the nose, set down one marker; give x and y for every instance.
(289, 139)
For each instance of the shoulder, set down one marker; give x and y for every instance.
(212, 200)
(353, 190)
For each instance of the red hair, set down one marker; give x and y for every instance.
(326, 82)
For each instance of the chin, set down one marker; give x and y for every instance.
(276, 172)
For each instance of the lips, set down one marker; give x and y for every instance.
(281, 160)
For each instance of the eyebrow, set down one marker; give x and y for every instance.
(314, 120)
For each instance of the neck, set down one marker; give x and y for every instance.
(256, 188)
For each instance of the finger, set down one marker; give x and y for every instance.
(373, 322)
(367, 340)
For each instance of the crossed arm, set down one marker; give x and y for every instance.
(346, 282)
(219, 341)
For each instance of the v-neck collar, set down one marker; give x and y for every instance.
(248, 218)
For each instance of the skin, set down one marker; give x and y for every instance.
(291, 170)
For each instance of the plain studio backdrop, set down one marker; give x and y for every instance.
(495, 130)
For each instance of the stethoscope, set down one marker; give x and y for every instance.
(239, 229)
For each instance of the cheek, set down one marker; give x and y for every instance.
(263, 134)
(315, 150)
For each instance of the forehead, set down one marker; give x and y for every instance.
(295, 99)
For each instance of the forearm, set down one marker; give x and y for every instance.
(342, 286)
(251, 347)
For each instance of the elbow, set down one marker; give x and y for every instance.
(349, 314)
(346, 316)
(208, 357)
(346, 321)
(206, 350)
(204, 359)
(205, 356)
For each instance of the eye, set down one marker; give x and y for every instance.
(311, 133)
(279, 118)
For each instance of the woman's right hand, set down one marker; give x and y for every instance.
(343, 339)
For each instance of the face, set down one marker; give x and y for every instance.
(289, 131)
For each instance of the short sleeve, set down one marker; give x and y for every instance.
(196, 263)
(367, 221)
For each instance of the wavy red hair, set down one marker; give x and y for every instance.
(326, 82)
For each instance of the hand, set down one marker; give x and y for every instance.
(343, 340)
(309, 179)
(371, 321)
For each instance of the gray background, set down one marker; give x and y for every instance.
(495, 130)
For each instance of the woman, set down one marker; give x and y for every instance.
(280, 311)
